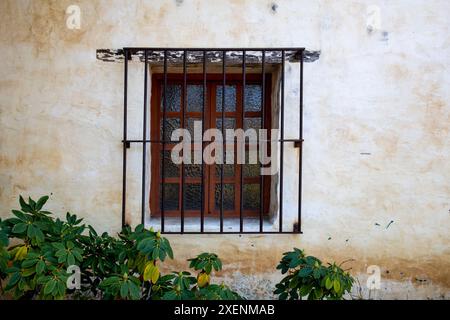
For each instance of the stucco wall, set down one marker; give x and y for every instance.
(377, 134)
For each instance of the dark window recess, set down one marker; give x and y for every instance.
(222, 101)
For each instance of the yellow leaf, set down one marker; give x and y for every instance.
(21, 253)
(202, 279)
(155, 274)
(148, 271)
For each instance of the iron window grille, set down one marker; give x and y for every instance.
(166, 56)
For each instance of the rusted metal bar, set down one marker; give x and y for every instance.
(241, 202)
(281, 143)
(144, 135)
(263, 116)
(164, 138)
(124, 161)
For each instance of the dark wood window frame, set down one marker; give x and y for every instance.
(210, 180)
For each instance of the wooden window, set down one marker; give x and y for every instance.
(213, 119)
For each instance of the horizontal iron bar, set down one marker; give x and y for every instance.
(200, 141)
(231, 232)
(215, 49)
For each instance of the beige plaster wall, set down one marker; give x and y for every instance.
(377, 133)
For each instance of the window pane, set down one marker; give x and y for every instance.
(170, 196)
(251, 170)
(252, 123)
(195, 98)
(170, 125)
(190, 127)
(252, 98)
(192, 196)
(230, 98)
(228, 196)
(170, 169)
(230, 123)
(228, 169)
(250, 194)
(193, 170)
(173, 97)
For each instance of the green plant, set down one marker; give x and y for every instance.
(126, 267)
(205, 262)
(308, 277)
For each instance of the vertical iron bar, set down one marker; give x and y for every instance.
(224, 55)
(282, 140)
(163, 140)
(241, 203)
(202, 212)
(299, 223)
(183, 121)
(144, 135)
(124, 168)
(261, 182)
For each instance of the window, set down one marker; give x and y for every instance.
(227, 96)
(172, 179)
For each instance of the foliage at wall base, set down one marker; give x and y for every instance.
(126, 267)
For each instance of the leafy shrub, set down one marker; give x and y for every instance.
(307, 277)
(126, 267)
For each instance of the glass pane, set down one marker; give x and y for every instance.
(230, 123)
(228, 196)
(250, 194)
(192, 196)
(252, 123)
(195, 98)
(251, 169)
(170, 196)
(252, 98)
(228, 169)
(230, 98)
(190, 127)
(193, 170)
(170, 125)
(173, 97)
(170, 169)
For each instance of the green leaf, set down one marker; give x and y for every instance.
(155, 254)
(40, 266)
(29, 263)
(70, 259)
(28, 272)
(49, 286)
(134, 291)
(328, 283)
(32, 203)
(31, 231)
(25, 207)
(19, 228)
(61, 288)
(283, 296)
(77, 255)
(318, 293)
(4, 240)
(39, 235)
(41, 203)
(14, 279)
(124, 289)
(20, 215)
(336, 285)
(304, 272)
